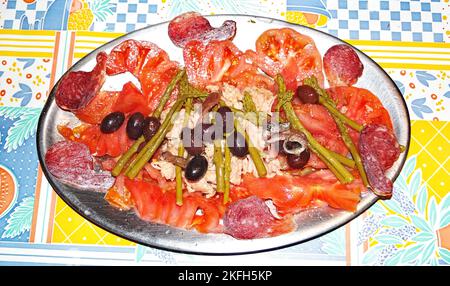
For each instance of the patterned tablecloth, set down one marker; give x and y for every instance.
(40, 39)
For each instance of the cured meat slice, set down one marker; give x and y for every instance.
(193, 26)
(65, 154)
(77, 89)
(72, 163)
(382, 143)
(248, 218)
(342, 66)
(379, 150)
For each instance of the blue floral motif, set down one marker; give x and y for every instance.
(25, 125)
(400, 86)
(371, 224)
(1, 73)
(236, 6)
(419, 107)
(140, 252)
(20, 219)
(102, 9)
(181, 6)
(25, 93)
(28, 62)
(424, 77)
(447, 94)
(334, 242)
(407, 230)
(164, 256)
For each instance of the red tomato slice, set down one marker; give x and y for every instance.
(361, 105)
(292, 194)
(131, 100)
(357, 103)
(100, 106)
(85, 133)
(243, 74)
(155, 77)
(207, 64)
(222, 61)
(319, 122)
(214, 212)
(100, 144)
(155, 205)
(150, 64)
(131, 55)
(290, 53)
(144, 195)
(124, 57)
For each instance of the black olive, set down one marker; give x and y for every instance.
(192, 141)
(135, 125)
(307, 94)
(208, 131)
(196, 168)
(290, 146)
(150, 127)
(236, 143)
(112, 122)
(226, 117)
(298, 161)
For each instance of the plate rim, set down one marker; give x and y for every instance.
(117, 232)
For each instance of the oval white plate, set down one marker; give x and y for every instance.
(311, 224)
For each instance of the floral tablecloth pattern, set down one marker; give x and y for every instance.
(40, 39)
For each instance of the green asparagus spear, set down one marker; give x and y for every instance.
(157, 113)
(154, 143)
(251, 113)
(331, 167)
(328, 103)
(344, 160)
(253, 152)
(333, 110)
(352, 148)
(218, 162)
(339, 118)
(126, 156)
(186, 91)
(334, 165)
(178, 171)
(166, 95)
(227, 173)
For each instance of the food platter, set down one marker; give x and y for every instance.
(311, 223)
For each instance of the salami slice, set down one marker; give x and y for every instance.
(193, 26)
(77, 89)
(342, 66)
(72, 163)
(248, 218)
(379, 150)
